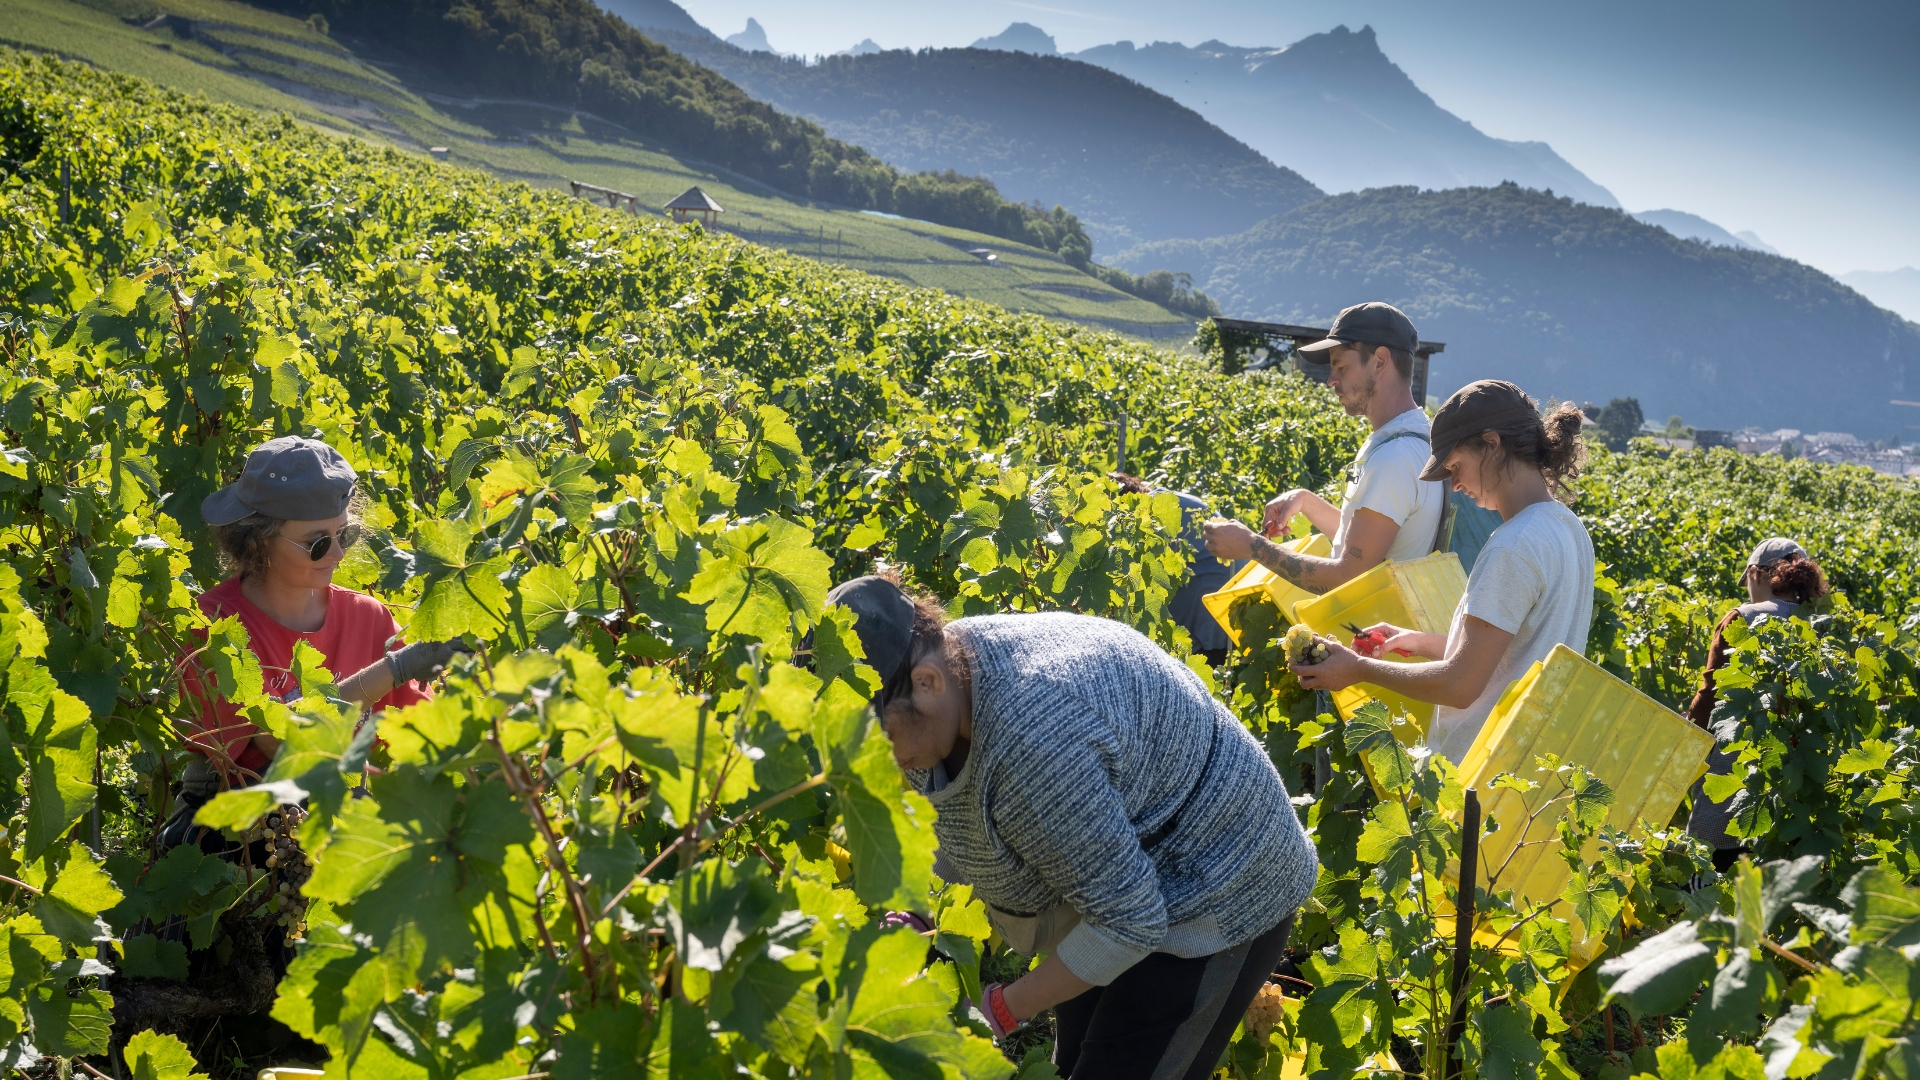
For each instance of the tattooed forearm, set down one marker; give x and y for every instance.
(1287, 564)
(1306, 571)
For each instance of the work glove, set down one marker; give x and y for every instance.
(423, 660)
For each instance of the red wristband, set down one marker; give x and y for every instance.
(999, 1017)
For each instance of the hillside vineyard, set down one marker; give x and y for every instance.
(629, 837)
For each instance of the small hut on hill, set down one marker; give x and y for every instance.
(695, 205)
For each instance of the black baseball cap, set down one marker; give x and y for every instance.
(289, 478)
(1474, 408)
(1374, 323)
(883, 621)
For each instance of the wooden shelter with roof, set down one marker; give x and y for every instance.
(1246, 345)
(695, 205)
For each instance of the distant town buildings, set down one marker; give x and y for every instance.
(1837, 447)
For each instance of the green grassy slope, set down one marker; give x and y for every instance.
(241, 54)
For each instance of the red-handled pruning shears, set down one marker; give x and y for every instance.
(1367, 643)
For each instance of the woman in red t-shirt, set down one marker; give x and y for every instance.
(282, 528)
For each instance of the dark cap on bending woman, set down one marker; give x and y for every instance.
(883, 619)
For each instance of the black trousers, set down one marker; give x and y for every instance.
(1165, 1018)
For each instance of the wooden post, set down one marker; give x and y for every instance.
(1122, 456)
(66, 191)
(1462, 975)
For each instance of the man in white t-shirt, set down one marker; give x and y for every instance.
(1388, 511)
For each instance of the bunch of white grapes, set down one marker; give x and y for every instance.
(1303, 647)
(1266, 1011)
(287, 866)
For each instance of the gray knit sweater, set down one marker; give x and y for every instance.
(1086, 739)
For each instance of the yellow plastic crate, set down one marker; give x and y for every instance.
(1419, 594)
(1255, 580)
(1570, 707)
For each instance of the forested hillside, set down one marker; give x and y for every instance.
(1132, 163)
(573, 53)
(1578, 302)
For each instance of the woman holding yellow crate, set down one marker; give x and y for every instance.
(1531, 588)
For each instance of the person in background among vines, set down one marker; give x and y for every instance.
(1780, 579)
(1110, 812)
(1532, 586)
(1205, 573)
(282, 529)
(1388, 512)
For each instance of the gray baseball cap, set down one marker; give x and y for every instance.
(289, 478)
(883, 620)
(1773, 549)
(1374, 322)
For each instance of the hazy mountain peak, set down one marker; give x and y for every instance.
(644, 15)
(1694, 227)
(1340, 89)
(1755, 242)
(865, 47)
(1020, 37)
(752, 39)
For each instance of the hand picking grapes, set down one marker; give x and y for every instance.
(1303, 647)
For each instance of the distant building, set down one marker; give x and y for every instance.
(695, 205)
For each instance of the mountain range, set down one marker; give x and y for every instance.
(1334, 107)
(1694, 227)
(1575, 301)
(1132, 164)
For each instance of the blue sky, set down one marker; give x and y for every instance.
(1799, 121)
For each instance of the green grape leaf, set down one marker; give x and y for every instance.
(1388, 841)
(773, 1005)
(1740, 992)
(76, 1025)
(1886, 911)
(462, 595)
(393, 864)
(311, 995)
(1370, 735)
(151, 1056)
(869, 533)
(59, 754)
(610, 1040)
(545, 599)
(149, 957)
(889, 828)
(760, 578)
(714, 907)
(1871, 755)
(1595, 898)
(175, 884)
(1787, 882)
(895, 1017)
(71, 907)
(1508, 1050)
(1660, 975)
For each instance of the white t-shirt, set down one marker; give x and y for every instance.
(1388, 483)
(1534, 579)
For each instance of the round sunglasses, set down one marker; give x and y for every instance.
(348, 536)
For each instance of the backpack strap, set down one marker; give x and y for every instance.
(1445, 526)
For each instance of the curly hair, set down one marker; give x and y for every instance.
(1796, 578)
(246, 546)
(1550, 443)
